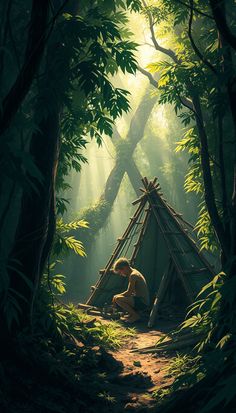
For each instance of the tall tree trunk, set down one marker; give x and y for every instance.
(36, 224)
(207, 178)
(218, 11)
(33, 54)
(35, 219)
(228, 69)
(195, 105)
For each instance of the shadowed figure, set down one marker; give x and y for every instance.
(135, 299)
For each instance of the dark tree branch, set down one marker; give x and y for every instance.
(207, 178)
(168, 52)
(7, 207)
(222, 166)
(4, 33)
(195, 9)
(185, 101)
(13, 41)
(205, 156)
(194, 46)
(149, 76)
(218, 11)
(233, 223)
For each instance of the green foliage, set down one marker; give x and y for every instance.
(186, 71)
(58, 284)
(133, 5)
(193, 79)
(185, 371)
(205, 311)
(74, 82)
(63, 351)
(62, 320)
(194, 183)
(92, 102)
(94, 215)
(107, 397)
(212, 353)
(76, 79)
(205, 230)
(111, 334)
(64, 244)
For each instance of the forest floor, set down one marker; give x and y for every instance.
(139, 375)
(89, 377)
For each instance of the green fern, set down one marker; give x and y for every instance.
(75, 245)
(63, 227)
(64, 244)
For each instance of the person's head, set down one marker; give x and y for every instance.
(122, 267)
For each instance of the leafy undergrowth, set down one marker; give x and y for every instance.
(206, 377)
(65, 372)
(184, 368)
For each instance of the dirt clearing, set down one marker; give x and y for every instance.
(139, 375)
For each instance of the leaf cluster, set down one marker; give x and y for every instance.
(63, 244)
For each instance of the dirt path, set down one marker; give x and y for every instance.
(140, 374)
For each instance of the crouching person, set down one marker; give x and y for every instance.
(136, 298)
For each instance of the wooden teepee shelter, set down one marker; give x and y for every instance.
(158, 243)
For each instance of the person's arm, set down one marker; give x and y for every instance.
(131, 287)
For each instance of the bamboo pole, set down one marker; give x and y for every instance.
(191, 242)
(141, 235)
(117, 250)
(160, 294)
(190, 293)
(173, 346)
(188, 290)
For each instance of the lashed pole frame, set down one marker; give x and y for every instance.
(148, 194)
(189, 291)
(116, 252)
(141, 235)
(151, 187)
(143, 230)
(188, 239)
(160, 293)
(175, 214)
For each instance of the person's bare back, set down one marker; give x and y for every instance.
(135, 299)
(141, 288)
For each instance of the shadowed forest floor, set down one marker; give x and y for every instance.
(131, 385)
(81, 378)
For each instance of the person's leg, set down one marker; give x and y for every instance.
(127, 304)
(114, 300)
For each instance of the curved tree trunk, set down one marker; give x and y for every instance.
(134, 175)
(124, 163)
(125, 149)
